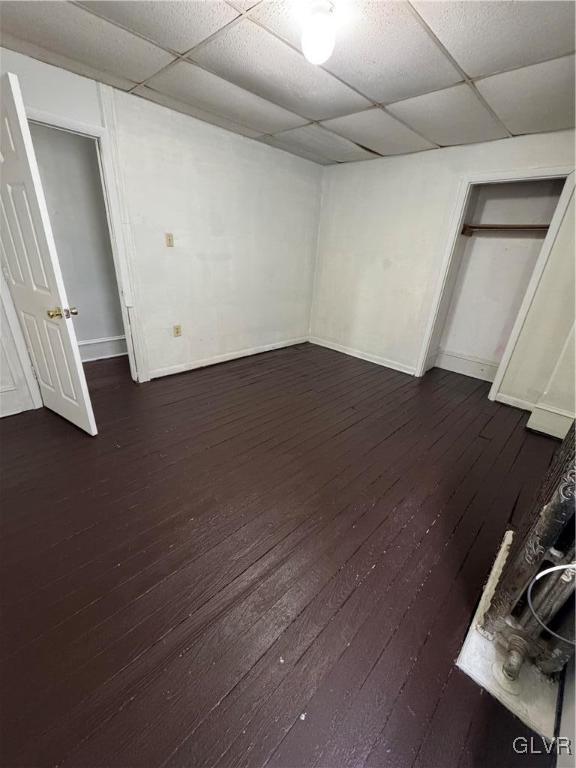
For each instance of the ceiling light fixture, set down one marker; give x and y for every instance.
(319, 31)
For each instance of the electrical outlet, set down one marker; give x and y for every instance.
(176, 330)
(169, 240)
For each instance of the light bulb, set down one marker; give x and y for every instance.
(319, 34)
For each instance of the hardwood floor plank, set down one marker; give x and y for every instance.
(296, 532)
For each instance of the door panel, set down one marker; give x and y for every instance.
(30, 264)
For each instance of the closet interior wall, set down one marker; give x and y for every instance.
(494, 272)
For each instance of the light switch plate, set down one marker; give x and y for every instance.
(169, 240)
(177, 330)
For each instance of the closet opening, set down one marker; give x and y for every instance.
(501, 239)
(69, 166)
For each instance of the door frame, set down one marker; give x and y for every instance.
(450, 262)
(112, 193)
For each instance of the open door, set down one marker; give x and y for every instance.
(30, 264)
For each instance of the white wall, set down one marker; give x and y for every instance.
(54, 91)
(70, 174)
(384, 229)
(244, 219)
(493, 275)
(243, 216)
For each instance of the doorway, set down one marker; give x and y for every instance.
(494, 271)
(504, 230)
(70, 174)
(31, 268)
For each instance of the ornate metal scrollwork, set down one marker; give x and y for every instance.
(549, 541)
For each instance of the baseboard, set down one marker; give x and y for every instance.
(364, 355)
(550, 422)
(544, 418)
(100, 349)
(430, 360)
(467, 366)
(533, 696)
(156, 373)
(11, 404)
(515, 402)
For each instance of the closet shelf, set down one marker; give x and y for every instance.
(469, 229)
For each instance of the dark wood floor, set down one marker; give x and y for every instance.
(273, 561)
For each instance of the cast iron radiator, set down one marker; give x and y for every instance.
(531, 615)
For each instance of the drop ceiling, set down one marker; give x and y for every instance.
(404, 77)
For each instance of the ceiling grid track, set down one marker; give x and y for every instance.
(354, 137)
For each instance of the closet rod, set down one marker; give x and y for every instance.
(468, 229)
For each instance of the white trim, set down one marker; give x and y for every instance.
(457, 220)
(101, 341)
(553, 409)
(538, 172)
(112, 190)
(124, 250)
(550, 422)
(103, 357)
(466, 365)
(182, 367)
(515, 402)
(101, 349)
(363, 355)
(64, 123)
(537, 272)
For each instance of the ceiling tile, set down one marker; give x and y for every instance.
(274, 141)
(202, 89)
(316, 140)
(244, 5)
(533, 99)
(248, 55)
(381, 47)
(174, 25)
(486, 37)
(69, 31)
(188, 109)
(11, 43)
(378, 131)
(451, 116)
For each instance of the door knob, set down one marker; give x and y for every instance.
(58, 313)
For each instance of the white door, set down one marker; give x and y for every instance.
(30, 263)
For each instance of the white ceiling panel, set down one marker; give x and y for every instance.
(381, 48)
(69, 31)
(378, 131)
(195, 86)
(275, 141)
(245, 5)
(174, 25)
(486, 37)
(247, 73)
(247, 55)
(188, 109)
(317, 141)
(452, 116)
(533, 99)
